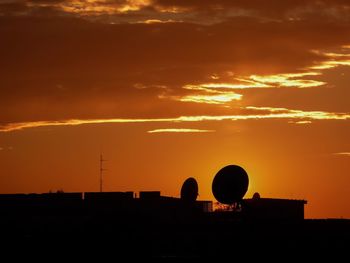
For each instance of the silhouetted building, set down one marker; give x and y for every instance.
(107, 196)
(149, 195)
(274, 209)
(149, 203)
(205, 206)
(41, 204)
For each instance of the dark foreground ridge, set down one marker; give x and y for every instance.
(154, 226)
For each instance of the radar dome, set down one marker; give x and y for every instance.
(230, 184)
(189, 190)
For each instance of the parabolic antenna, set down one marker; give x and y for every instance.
(189, 190)
(256, 196)
(230, 184)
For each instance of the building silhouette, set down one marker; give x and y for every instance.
(148, 203)
(123, 224)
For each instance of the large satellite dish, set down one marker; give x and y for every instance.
(189, 190)
(230, 184)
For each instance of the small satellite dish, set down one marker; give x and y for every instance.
(189, 190)
(256, 196)
(230, 184)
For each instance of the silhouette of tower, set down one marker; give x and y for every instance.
(101, 172)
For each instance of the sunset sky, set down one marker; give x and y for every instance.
(171, 89)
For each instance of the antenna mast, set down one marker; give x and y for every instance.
(101, 171)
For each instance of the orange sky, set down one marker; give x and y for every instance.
(171, 89)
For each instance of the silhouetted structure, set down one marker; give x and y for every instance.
(229, 187)
(189, 190)
(160, 226)
(104, 203)
(274, 209)
(149, 195)
(41, 204)
(230, 184)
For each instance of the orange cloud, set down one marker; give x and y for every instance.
(157, 21)
(179, 130)
(220, 93)
(343, 154)
(219, 98)
(89, 55)
(93, 7)
(289, 80)
(300, 122)
(273, 113)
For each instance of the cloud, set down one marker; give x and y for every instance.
(205, 12)
(190, 11)
(343, 154)
(179, 130)
(333, 60)
(219, 97)
(95, 7)
(220, 93)
(82, 59)
(288, 80)
(300, 122)
(289, 9)
(269, 113)
(265, 81)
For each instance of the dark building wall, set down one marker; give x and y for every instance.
(205, 206)
(41, 204)
(108, 202)
(150, 195)
(268, 208)
(150, 203)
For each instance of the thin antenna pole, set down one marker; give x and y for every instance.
(101, 172)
